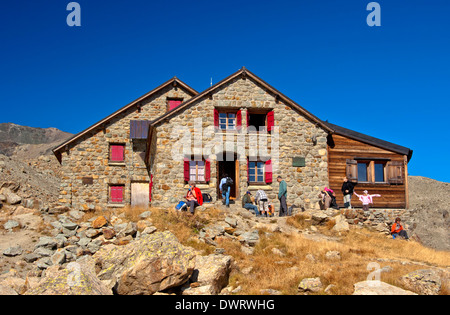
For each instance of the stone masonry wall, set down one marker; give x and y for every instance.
(89, 156)
(295, 140)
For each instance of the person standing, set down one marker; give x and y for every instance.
(366, 199)
(263, 202)
(282, 195)
(225, 190)
(347, 191)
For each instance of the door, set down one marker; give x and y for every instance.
(230, 168)
(140, 194)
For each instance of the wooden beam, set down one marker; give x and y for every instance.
(405, 159)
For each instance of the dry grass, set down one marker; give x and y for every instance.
(358, 248)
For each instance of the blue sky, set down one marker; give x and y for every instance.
(390, 82)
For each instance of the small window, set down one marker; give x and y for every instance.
(227, 121)
(197, 171)
(116, 193)
(256, 172)
(117, 153)
(173, 103)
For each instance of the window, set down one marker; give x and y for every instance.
(379, 172)
(173, 103)
(362, 172)
(373, 171)
(198, 171)
(256, 172)
(258, 121)
(259, 172)
(116, 193)
(117, 153)
(227, 121)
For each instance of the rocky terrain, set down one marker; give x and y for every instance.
(48, 249)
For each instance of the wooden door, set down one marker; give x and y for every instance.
(140, 194)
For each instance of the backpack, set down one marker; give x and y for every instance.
(181, 206)
(207, 197)
(229, 182)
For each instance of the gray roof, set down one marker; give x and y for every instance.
(370, 140)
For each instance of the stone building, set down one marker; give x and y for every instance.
(147, 151)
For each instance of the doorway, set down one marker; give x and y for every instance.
(230, 168)
(140, 194)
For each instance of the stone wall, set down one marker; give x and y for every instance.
(89, 156)
(295, 140)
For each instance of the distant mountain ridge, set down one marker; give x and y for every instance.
(29, 142)
(10, 132)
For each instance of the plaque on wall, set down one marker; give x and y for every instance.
(87, 180)
(298, 162)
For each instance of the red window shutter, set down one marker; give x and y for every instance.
(270, 121)
(207, 170)
(269, 176)
(174, 103)
(117, 194)
(150, 188)
(117, 153)
(248, 170)
(216, 119)
(239, 120)
(186, 170)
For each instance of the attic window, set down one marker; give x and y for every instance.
(173, 103)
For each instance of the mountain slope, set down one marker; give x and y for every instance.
(29, 142)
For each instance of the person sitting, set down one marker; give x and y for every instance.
(247, 203)
(263, 202)
(397, 230)
(194, 197)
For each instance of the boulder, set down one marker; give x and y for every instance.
(424, 282)
(76, 279)
(319, 217)
(11, 198)
(341, 224)
(99, 222)
(310, 285)
(13, 251)
(378, 288)
(153, 263)
(250, 238)
(11, 224)
(211, 274)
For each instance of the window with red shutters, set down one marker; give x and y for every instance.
(116, 193)
(117, 153)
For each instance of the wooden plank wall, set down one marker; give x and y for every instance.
(392, 196)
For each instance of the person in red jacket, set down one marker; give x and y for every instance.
(194, 197)
(397, 229)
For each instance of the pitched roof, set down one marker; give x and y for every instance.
(174, 81)
(245, 73)
(389, 146)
